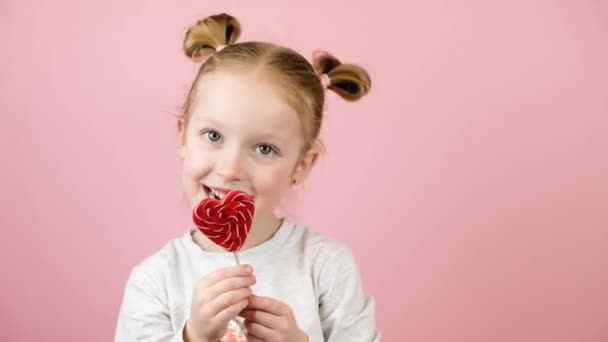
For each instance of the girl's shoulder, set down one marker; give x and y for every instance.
(168, 260)
(317, 241)
(328, 252)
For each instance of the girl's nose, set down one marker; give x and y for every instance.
(230, 166)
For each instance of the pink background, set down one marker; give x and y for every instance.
(480, 213)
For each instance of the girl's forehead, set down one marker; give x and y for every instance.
(238, 92)
(242, 99)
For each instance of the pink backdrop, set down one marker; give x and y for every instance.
(480, 213)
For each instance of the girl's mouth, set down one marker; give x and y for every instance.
(214, 192)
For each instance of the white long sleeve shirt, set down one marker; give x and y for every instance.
(316, 276)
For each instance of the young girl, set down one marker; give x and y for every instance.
(251, 122)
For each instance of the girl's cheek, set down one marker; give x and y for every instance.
(276, 178)
(194, 162)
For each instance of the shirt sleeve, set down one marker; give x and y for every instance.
(347, 313)
(144, 314)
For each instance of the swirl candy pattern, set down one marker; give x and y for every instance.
(226, 222)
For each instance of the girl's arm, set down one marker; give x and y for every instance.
(144, 315)
(347, 312)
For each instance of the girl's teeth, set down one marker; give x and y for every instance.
(216, 194)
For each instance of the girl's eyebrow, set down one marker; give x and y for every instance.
(200, 119)
(267, 135)
(273, 136)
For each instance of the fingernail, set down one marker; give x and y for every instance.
(249, 269)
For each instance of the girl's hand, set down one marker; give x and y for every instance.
(270, 320)
(217, 298)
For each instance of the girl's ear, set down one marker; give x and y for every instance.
(181, 136)
(305, 164)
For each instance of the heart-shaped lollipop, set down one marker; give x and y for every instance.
(226, 222)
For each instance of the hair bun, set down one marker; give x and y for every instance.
(203, 38)
(350, 81)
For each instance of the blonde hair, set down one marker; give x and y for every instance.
(297, 79)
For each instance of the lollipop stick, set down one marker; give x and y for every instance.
(236, 256)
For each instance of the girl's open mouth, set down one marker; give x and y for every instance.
(216, 193)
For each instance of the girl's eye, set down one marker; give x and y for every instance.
(265, 149)
(213, 136)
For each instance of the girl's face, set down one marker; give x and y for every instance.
(242, 135)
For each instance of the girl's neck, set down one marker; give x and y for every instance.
(263, 229)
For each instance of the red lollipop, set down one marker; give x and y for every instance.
(226, 222)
